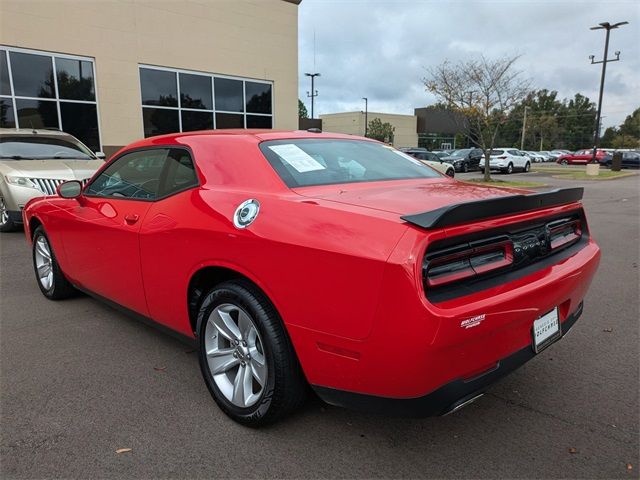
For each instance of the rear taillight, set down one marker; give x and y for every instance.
(563, 233)
(468, 262)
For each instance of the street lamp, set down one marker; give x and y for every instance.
(314, 93)
(366, 114)
(608, 27)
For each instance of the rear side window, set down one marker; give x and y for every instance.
(146, 175)
(497, 152)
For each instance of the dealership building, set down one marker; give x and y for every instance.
(353, 123)
(111, 72)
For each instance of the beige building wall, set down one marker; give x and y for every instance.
(254, 39)
(352, 123)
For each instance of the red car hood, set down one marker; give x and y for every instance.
(406, 196)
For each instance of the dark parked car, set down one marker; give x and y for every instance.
(629, 160)
(465, 159)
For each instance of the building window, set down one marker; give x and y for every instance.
(47, 90)
(181, 101)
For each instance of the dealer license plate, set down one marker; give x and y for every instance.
(546, 330)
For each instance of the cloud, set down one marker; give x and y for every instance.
(382, 49)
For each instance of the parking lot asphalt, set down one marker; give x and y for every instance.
(79, 380)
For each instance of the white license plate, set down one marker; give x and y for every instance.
(546, 330)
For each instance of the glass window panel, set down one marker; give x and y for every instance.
(196, 120)
(228, 95)
(7, 118)
(258, 97)
(257, 121)
(158, 88)
(75, 79)
(5, 86)
(180, 172)
(32, 75)
(135, 175)
(37, 113)
(195, 91)
(229, 120)
(158, 121)
(81, 121)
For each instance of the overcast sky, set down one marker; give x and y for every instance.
(380, 49)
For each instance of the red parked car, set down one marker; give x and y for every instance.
(300, 258)
(581, 157)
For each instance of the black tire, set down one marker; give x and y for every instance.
(285, 387)
(564, 162)
(465, 167)
(451, 172)
(60, 287)
(527, 167)
(509, 169)
(481, 170)
(6, 224)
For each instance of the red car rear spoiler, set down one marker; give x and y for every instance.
(492, 207)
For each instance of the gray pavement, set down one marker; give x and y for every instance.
(79, 380)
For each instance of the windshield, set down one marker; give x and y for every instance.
(309, 162)
(23, 147)
(460, 153)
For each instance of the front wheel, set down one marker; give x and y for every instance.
(6, 224)
(465, 167)
(527, 167)
(451, 172)
(246, 357)
(52, 282)
(564, 162)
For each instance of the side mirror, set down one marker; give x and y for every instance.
(70, 189)
(101, 155)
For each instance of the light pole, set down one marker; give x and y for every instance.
(524, 126)
(314, 93)
(366, 115)
(608, 27)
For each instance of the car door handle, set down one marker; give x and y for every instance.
(131, 218)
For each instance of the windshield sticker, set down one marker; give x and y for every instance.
(297, 158)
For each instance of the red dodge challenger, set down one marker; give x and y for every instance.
(302, 258)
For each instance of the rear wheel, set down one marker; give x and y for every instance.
(6, 224)
(509, 169)
(51, 280)
(527, 167)
(246, 357)
(564, 162)
(451, 172)
(465, 167)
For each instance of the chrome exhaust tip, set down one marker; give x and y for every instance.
(461, 404)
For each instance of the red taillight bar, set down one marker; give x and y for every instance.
(466, 260)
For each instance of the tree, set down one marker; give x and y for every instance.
(302, 110)
(484, 91)
(631, 124)
(380, 131)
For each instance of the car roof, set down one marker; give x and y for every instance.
(33, 131)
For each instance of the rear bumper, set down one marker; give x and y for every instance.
(444, 399)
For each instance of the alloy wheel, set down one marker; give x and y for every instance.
(4, 213)
(44, 263)
(235, 355)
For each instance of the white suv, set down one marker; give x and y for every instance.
(507, 160)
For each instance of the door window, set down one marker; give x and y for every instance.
(135, 175)
(146, 175)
